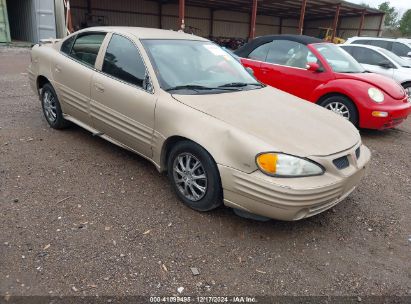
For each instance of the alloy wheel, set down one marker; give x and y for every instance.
(190, 176)
(49, 104)
(408, 91)
(339, 108)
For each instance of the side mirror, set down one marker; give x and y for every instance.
(250, 71)
(147, 84)
(313, 67)
(409, 54)
(385, 65)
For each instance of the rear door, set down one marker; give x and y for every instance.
(72, 72)
(286, 68)
(122, 98)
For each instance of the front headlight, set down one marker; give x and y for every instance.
(376, 95)
(284, 165)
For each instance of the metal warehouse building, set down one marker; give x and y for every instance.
(31, 20)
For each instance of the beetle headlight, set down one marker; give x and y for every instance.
(376, 95)
(284, 165)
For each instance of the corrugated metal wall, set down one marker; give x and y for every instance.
(348, 26)
(22, 20)
(197, 19)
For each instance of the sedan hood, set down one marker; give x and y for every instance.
(384, 83)
(287, 123)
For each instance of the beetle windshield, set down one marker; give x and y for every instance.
(197, 65)
(339, 60)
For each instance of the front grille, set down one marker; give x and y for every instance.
(358, 153)
(341, 162)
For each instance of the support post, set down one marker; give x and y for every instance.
(380, 26)
(335, 25)
(253, 20)
(211, 23)
(181, 11)
(281, 26)
(302, 15)
(160, 15)
(361, 23)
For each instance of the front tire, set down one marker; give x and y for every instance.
(194, 176)
(342, 106)
(51, 108)
(407, 88)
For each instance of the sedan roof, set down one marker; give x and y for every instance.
(249, 47)
(146, 33)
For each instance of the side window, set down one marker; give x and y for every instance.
(123, 61)
(290, 53)
(86, 47)
(260, 53)
(381, 43)
(400, 49)
(67, 45)
(349, 50)
(367, 56)
(361, 41)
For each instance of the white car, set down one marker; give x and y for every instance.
(378, 60)
(400, 47)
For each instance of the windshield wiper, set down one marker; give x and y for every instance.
(189, 87)
(239, 84)
(195, 87)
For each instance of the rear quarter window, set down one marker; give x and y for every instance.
(67, 45)
(86, 47)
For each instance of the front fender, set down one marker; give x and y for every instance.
(227, 145)
(356, 90)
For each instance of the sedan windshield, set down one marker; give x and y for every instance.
(339, 60)
(397, 59)
(200, 66)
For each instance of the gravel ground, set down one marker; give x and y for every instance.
(80, 216)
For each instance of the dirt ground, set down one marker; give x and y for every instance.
(80, 216)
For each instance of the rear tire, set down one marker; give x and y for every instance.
(342, 106)
(194, 176)
(51, 108)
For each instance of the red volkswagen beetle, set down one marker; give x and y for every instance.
(323, 73)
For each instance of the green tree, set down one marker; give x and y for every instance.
(391, 14)
(405, 23)
(365, 5)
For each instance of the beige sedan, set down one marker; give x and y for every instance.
(191, 109)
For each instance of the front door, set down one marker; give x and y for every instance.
(373, 61)
(286, 68)
(122, 100)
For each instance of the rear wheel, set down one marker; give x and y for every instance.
(51, 108)
(194, 176)
(342, 106)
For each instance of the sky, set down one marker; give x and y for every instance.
(400, 5)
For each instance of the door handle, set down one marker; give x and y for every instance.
(99, 87)
(58, 68)
(264, 70)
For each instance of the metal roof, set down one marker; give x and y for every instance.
(315, 9)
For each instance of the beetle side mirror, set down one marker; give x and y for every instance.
(313, 67)
(409, 54)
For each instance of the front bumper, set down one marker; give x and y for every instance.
(397, 113)
(293, 199)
